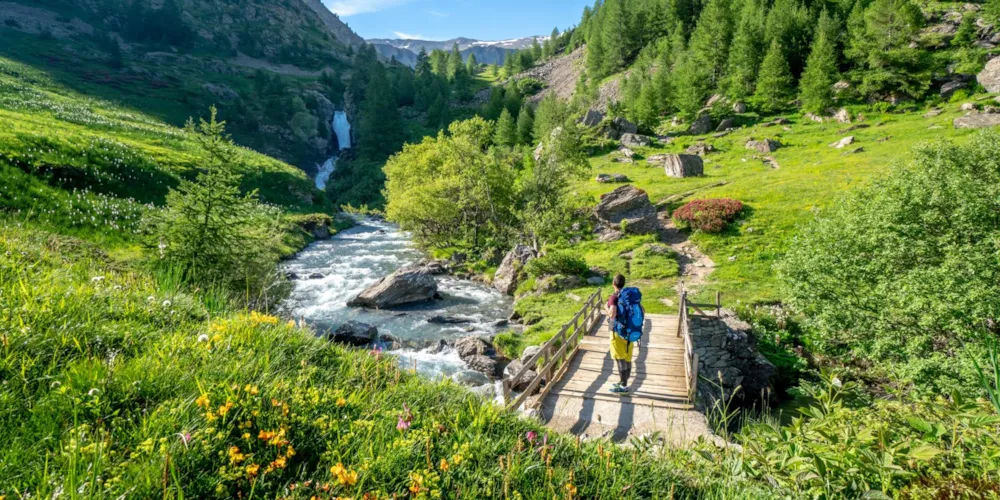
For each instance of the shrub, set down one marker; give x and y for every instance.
(904, 271)
(562, 262)
(710, 216)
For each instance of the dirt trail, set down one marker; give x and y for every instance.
(695, 266)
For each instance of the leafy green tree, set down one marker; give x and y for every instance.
(774, 84)
(904, 271)
(439, 114)
(543, 189)
(816, 86)
(747, 51)
(525, 126)
(506, 130)
(217, 234)
(551, 113)
(879, 44)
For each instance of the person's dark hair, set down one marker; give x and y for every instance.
(619, 281)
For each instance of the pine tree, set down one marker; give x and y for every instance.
(506, 130)
(689, 82)
(790, 23)
(595, 51)
(746, 52)
(525, 126)
(816, 87)
(774, 83)
(536, 49)
(454, 62)
(379, 127)
(966, 33)
(613, 29)
(709, 44)
(879, 45)
(472, 65)
(508, 65)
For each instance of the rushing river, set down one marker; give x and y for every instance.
(354, 259)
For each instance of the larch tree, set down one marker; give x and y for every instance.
(506, 130)
(816, 86)
(747, 51)
(774, 83)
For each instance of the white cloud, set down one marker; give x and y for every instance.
(437, 13)
(407, 36)
(346, 8)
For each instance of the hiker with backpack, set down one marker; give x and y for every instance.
(626, 316)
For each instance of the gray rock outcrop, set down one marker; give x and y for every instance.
(764, 146)
(702, 125)
(611, 178)
(405, 286)
(949, 88)
(978, 120)
(635, 141)
(479, 354)
(989, 78)
(508, 275)
(619, 127)
(629, 205)
(681, 166)
(354, 333)
(593, 118)
(512, 370)
(841, 144)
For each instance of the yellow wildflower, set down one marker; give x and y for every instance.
(235, 456)
(570, 489)
(338, 469)
(416, 483)
(290, 452)
(217, 327)
(457, 459)
(246, 435)
(202, 401)
(266, 435)
(210, 417)
(443, 465)
(341, 402)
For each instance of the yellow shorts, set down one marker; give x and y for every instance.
(621, 349)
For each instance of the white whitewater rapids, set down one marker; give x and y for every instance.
(357, 257)
(342, 129)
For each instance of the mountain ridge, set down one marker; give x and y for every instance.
(405, 50)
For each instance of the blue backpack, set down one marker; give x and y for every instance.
(630, 318)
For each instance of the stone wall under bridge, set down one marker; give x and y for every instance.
(728, 359)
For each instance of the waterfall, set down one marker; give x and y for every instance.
(342, 129)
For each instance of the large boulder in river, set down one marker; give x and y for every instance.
(512, 369)
(989, 78)
(684, 166)
(629, 205)
(466, 347)
(355, 333)
(508, 275)
(405, 286)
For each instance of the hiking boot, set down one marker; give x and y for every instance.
(618, 389)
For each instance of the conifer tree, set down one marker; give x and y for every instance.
(525, 126)
(816, 87)
(774, 83)
(595, 50)
(879, 43)
(454, 62)
(790, 23)
(380, 126)
(508, 65)
(966, 33)
(613, 29)
(746, 52)
(689, 82)
(472, 65)
(506, 130)
(709, 44)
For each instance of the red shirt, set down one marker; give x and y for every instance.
(613, 301)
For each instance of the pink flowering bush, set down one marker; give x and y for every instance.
(710, 216)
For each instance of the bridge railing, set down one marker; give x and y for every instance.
(684, 331)
(554, 354)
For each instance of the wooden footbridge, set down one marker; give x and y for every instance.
(577, 371)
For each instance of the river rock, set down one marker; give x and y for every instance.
(681, 166)
(977, 120)
(529, 352)
(522, 383)
(467, 347)
(405, 286)
(764, 146)
(635, 141)
(508, 275)
(702, 125)
(315, 276)
(841, 144)
(355, 333)
(449, 320)
(989, 78)
(630, 205)
(483, 364)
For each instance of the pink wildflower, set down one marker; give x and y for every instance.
(531, 435)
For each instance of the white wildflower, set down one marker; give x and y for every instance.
(203, 338)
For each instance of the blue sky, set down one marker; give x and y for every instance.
(446, 19)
